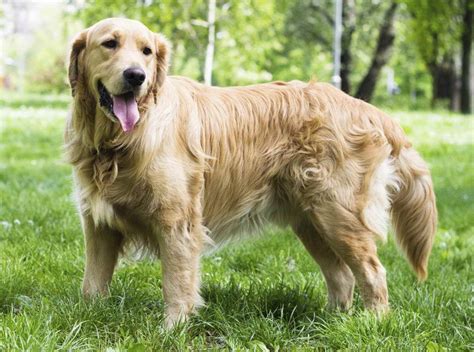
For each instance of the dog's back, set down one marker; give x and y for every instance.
(278, 149)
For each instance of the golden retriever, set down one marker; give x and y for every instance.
(175, 166)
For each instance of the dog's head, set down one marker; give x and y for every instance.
(120, 62)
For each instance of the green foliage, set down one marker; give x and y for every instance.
(248, 34)
(182, 22)
(45, 69)
(255, 302)
(39, 60)
(310, 21)
(256, 40)
(434, 26)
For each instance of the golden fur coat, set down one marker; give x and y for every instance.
(206, 164)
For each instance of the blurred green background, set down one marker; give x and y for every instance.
(404, 54)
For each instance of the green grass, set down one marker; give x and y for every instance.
(257, 303)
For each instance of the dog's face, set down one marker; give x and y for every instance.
(120, 62)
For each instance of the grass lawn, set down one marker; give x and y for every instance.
(270, 303)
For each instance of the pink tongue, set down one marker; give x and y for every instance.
(126, 109)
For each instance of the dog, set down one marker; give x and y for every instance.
(175, 167)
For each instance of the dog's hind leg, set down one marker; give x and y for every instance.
(338, 276)
(102, 245)
(354, 243)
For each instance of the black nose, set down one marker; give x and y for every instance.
(134, 76)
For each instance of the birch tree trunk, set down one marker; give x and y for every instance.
(211, 18)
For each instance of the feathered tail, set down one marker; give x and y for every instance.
(414, 213)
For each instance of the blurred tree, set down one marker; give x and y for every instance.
(436, 27)
(248, 33)
(312, 20)
(466, 87)
(349, 23)
(411, 75)
(182, 22)
(380, 56)
(262, 40)
(211, 27)
(249, 43)
(35, 37)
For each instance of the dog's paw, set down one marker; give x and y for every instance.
(174, 318)
(338, 305)
(177, 314)
(378, 311)
(90, 292)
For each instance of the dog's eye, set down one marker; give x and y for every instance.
(147, 51)
(111, 44)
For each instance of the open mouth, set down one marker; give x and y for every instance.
(123, 107)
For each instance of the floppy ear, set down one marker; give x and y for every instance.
(163, 51)
(74, 70)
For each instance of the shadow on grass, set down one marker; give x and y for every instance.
(278, 300)
(15, 294)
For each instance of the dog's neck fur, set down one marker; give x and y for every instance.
(95, 145)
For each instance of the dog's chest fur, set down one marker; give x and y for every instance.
(113, 191)
(139, 197)
(133, 195)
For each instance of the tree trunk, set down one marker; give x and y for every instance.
(443, 77)
(381, 55)
(348, 28)
(210, 44)
(466, 89)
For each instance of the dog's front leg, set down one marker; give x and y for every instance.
(103, 245)
(180, 250)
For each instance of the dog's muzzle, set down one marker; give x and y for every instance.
(123, 107)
